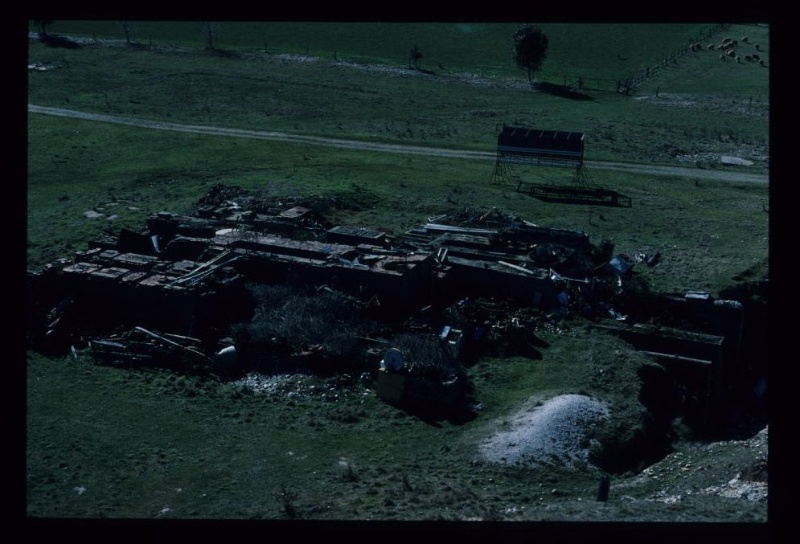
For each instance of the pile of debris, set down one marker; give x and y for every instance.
(488, 281)
(140, 347)
(501, 325)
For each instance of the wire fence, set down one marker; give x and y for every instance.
(579, 82)
(627, 84)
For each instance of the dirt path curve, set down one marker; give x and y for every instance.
(693, 173)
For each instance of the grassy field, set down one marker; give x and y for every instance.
(261, 91)
(594, 51)
(310, 98)
(106, 442)
(149, 172)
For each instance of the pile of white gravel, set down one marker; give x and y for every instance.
(553, 432)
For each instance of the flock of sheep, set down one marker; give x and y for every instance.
(728, 48)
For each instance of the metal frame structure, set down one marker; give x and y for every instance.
(536, 147)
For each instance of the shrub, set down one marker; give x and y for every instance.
(286, 498)
(292, 319)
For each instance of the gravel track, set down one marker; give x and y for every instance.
(694, 173)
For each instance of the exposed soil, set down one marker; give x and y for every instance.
(551, 431)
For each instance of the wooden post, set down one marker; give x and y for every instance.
(603, 487)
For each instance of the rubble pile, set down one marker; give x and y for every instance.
(489, 281)
(141, 347)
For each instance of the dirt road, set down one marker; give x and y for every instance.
(657, 170)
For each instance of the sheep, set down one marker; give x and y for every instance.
(711, 47)
(758, 47)
(761, 62)
(748, 58)
(737, 59)
(731, 53)
(756, 57)
(744, 39)
(722, 56)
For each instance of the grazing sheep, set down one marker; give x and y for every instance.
(730, 53)
(722, 56)
(744, 39)
(726, 40)
(761, 62)
(748, 58)
(756, 57)
(758, 47)
(711, 47)
(737, 59)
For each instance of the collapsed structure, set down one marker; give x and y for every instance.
(186, 276)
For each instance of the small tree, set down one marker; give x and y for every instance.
(414, 56)
(210, 32)
(530, 49)
(42, 24)
(127, 28)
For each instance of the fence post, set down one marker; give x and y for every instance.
(602, 489)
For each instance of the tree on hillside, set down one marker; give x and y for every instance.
(42, 24)
(127, 28)
(210, 32)
(414, 56)
(530, 49)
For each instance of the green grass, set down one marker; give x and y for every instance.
(105, 442)
(140, 441)
(588, 50)
(263, 93)
(78, 166)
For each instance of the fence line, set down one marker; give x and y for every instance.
(634, 80)
(594, 84)
(645, 72)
